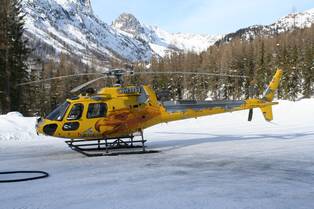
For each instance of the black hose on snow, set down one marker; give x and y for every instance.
(41, 174)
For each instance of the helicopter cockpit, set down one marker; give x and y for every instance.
(59, 112)
(71, 116)
(94, 110)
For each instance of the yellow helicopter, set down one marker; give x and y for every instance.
(101, 123)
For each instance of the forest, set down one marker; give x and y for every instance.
(292, 51)
(258, 58)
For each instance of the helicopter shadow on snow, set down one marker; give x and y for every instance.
(173, 144)
(203, 138)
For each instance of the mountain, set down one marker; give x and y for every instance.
(70, 26)
(162, 42)
(288, 23)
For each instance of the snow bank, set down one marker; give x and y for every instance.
(15, 127)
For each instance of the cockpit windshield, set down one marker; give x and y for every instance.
(59, 112)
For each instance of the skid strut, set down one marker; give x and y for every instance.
(110, 146)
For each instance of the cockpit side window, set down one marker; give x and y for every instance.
(97, 110)
(59, 112)
(76, 112)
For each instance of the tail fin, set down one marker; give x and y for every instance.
(273, 86)
(269, 96)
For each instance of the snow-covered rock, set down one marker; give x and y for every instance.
(295, 20)
(163, 42)
(288, 23)
(70, 26)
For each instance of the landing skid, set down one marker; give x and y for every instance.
(110, 146)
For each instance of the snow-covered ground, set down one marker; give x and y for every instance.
(215, 162)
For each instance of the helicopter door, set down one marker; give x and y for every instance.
(75, 114)
(97, 110)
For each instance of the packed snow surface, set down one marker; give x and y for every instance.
(220, 161)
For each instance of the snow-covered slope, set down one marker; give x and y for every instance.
(284, 24)
(55, 26)
(221, 161)
(70, 26)
(295, 20)
(162, 41)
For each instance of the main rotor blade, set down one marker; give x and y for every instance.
(56, 78)
(76, 89)
(193, 73)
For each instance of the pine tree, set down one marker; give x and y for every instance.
(14, 54)
(4, 48)
(308, 71)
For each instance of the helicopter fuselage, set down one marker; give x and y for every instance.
(112, 112)
(122, 111)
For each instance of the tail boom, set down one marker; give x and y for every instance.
(194, 109)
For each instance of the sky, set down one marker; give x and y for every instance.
(200, 16)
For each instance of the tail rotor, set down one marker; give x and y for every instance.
(252, 93)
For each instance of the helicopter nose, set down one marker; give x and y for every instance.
(39, 125)
(46, 127)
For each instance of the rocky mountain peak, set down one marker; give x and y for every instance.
(128, 23)
(298, 20)
(87, 4)
(80, 5)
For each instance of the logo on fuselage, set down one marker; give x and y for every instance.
(130, 90)
(90, 133)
